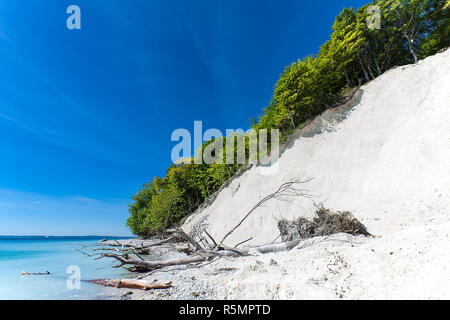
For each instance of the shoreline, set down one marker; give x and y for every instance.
(336, 267)
(279, 275)
(186, 285)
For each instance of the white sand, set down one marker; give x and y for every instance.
(388, 163)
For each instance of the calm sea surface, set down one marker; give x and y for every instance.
(55, 254)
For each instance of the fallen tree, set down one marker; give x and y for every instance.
(132, 283)
(292, 233)
(286, 191)
(325, 222)
(24, 273)
(131, 254)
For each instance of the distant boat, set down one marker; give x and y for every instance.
(46, 237)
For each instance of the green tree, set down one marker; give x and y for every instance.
(409, 17)
(439, 37)
(354, 54)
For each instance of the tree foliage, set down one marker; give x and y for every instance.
(354, 54)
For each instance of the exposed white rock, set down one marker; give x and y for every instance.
(388, 162)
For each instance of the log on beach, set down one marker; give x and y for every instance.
(24, 273)
(132, 283)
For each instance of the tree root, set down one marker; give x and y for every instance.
(129, 254)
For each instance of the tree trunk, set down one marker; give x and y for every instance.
(150, 265)
(411, 47)
(366, 76)
(370, 71)
(377, 66)
(132, 283)
(348, 80)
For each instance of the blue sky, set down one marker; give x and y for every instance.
(86, 115)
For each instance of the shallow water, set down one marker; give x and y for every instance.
(55, 255)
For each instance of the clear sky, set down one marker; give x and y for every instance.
(86, 115)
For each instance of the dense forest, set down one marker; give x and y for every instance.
(355, 54)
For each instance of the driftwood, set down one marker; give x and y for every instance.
(201, 256)
(115, 243)
(24, 273)
(132, 283)
(186, 237)
(129, 254)
(141, 248)
(242, 242)
(150, 265)
(276, 247)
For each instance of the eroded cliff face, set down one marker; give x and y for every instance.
(388, 162)
(386, 159)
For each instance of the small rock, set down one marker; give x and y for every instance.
(126, 296)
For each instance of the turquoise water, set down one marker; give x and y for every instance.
(32, 254)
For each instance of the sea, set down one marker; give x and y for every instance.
(69, 269)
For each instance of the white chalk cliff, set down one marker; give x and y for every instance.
(388, 162)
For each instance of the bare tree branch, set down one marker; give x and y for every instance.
(242, 242)
(284, 193)
(210, 237)
(183, 235)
